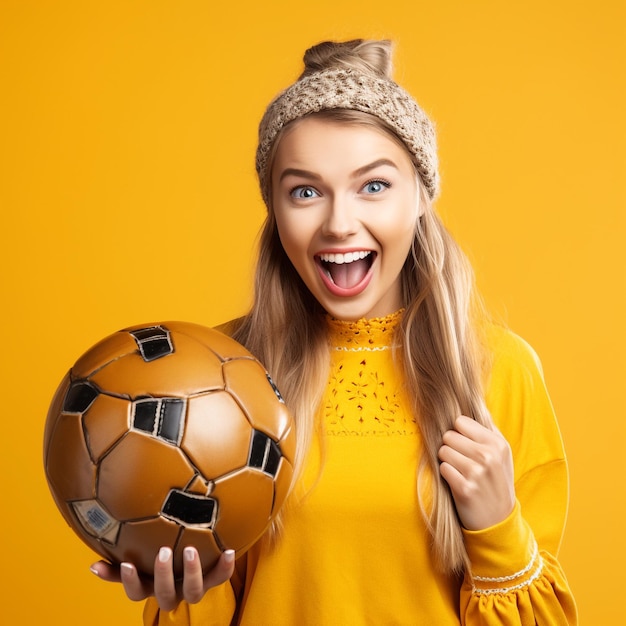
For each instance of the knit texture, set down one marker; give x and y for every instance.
(358, 91)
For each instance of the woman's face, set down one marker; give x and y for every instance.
(346, 202)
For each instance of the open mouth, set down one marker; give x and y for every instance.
(346, 270)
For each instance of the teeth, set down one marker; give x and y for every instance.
(341, 258)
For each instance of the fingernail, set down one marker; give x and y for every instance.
(93, 570)
(189, 554)
(229, 556)
(165, 554)
(126, 567)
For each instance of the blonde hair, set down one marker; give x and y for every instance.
(441, 355)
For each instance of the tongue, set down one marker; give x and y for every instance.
(348, 275)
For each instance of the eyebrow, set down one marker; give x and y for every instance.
(372, 166)
(292, 171)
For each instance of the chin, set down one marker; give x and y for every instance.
(349, 312)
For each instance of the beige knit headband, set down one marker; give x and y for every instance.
(352, 89)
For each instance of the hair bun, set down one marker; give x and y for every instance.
(366, 55)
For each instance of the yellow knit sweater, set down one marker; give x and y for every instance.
(355, 550)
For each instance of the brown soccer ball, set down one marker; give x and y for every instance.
(168, 434)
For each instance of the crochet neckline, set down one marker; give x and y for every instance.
(363, 333)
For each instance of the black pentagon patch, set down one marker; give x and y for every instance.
(190, 508)
(79, 397)
(153, 342)
(264, 453)
(160, 417)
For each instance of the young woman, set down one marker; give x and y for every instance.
(432, 483)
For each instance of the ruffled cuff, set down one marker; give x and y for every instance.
(511, 582)
(503, 557)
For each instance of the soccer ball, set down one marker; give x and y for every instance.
(168, 434)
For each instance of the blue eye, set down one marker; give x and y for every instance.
(376, 186)
(303, 192)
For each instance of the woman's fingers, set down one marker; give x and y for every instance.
(169, 593)
(164, 582)
(134, 586)
(222, 571)
(194, 584)
(457, 451)
(477, 464)
(164, 587)
(106, 571)
(471, 428)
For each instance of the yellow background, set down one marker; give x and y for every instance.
(128, 195)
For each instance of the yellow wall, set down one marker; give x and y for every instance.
(127, 193)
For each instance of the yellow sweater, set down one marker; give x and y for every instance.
(355, 550)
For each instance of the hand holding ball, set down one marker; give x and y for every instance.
(170, 434)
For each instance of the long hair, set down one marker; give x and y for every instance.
(441, 356)
(444, 364)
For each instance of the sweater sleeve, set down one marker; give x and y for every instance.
(515, 578)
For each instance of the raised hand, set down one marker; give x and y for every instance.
(477, 464)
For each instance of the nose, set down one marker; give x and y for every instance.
(341, 219)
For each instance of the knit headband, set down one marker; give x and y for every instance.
(352, 89)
